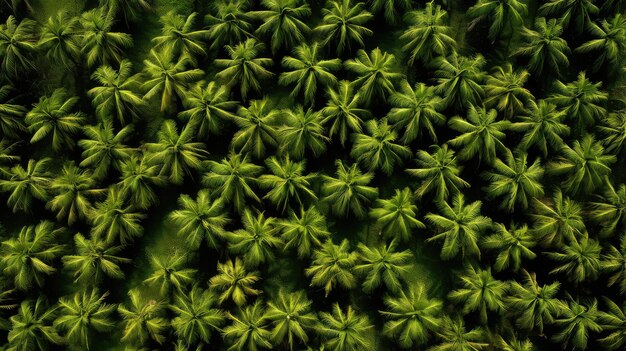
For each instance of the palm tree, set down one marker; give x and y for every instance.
(610, 211)
(576, 323)
(505, 89)
(257, 240)
(207, 106)
(231, 179)
(137, 179)
(411, 316)
(308, 70)
(515, 181)
(581, 100)
(577, 11)
(349, 191)
(609, 39)
(60, 39)
(170, 273)
(178, 36)
(455, 337)
(287, 183)
(305, 231)
(229, 23)
(376, 74)
(302, 131)
(31, 328)
(428, 34)
(546, 48)
(614, 262)
(505, 16)
(512, 245)
(613, 6)
(460, 226)
(579, 260)
(283, 22)
(11, 115)
(234, 282)
(557, 218)
(257, 127)
(244, 66)
(613, 131)
(460, 79)
(177, 154)
(393, 9)
(200, 219)
(481, 134)
(542, 127)
(342, 24)
(480, 292)
(72, 190)
(7, 150)
(94, 257)
(100, 45)
(514, 344)
(586, 165)
(196, 316)
(27, 184)
(112, 219)
(397, 216)
(292, 316)
(168, 77)
(332, 266)
(103, 148)
(81, 313)
(51, 117)
(612, 321)
(342, 109)
(249, 330)
(382, 265)
(143, 320)
(116, 93)
(29, 256)
(18, 41)
(416, 109)
(439, 171)
(377, 149)
(345, 331)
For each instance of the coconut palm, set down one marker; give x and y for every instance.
(100, 45)
(376, 74)
(283, 22)
(29, 256)
(308, 70)
(345, 330)
(177, 154)
(349, 191)
(113, 219)
(505, 89)
(207, 105)
(547, 50)
(196, 316)
(397, 216)
(557, 218)
(249, 330)
(613, 321)
(576, 323)
(229, 23)
(168, 77)
(455, 337)
(579, 260)
(613, 131)
(287, 182)
(18, 42)
(28, 184)
(609, 39)
(613, 6)
(170, 273)
(460, 79)
(234, 282)
(428, 34)
(130, 10)
(514, 344)
(302, 131)
(586, 165)
(93, 258)
(83, 313)
(11, 115)
(200, 219)
(343, 24)
(138, 177)
(614, 263)
(505, 16)
(257, 127)
(52, 118)
(542, 128)
(415, 110)
(143, 319)
(103, 148)
(31, 328)
(511, 244)
(439, 171)
(515, 181)
(574, 13)
(244, 66)
(378, 150)
(115, 95)
(480, 292)
(60, 39)
(257, 240)
(332, 265)
(7, 153)
(460, 226)
(382, 266)
(342, 109)
(305, 231)
(393, 9)
(481, 134)
(610, 211)
(231, 179)
(292, 318)
(411, 316)
(179, 36)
